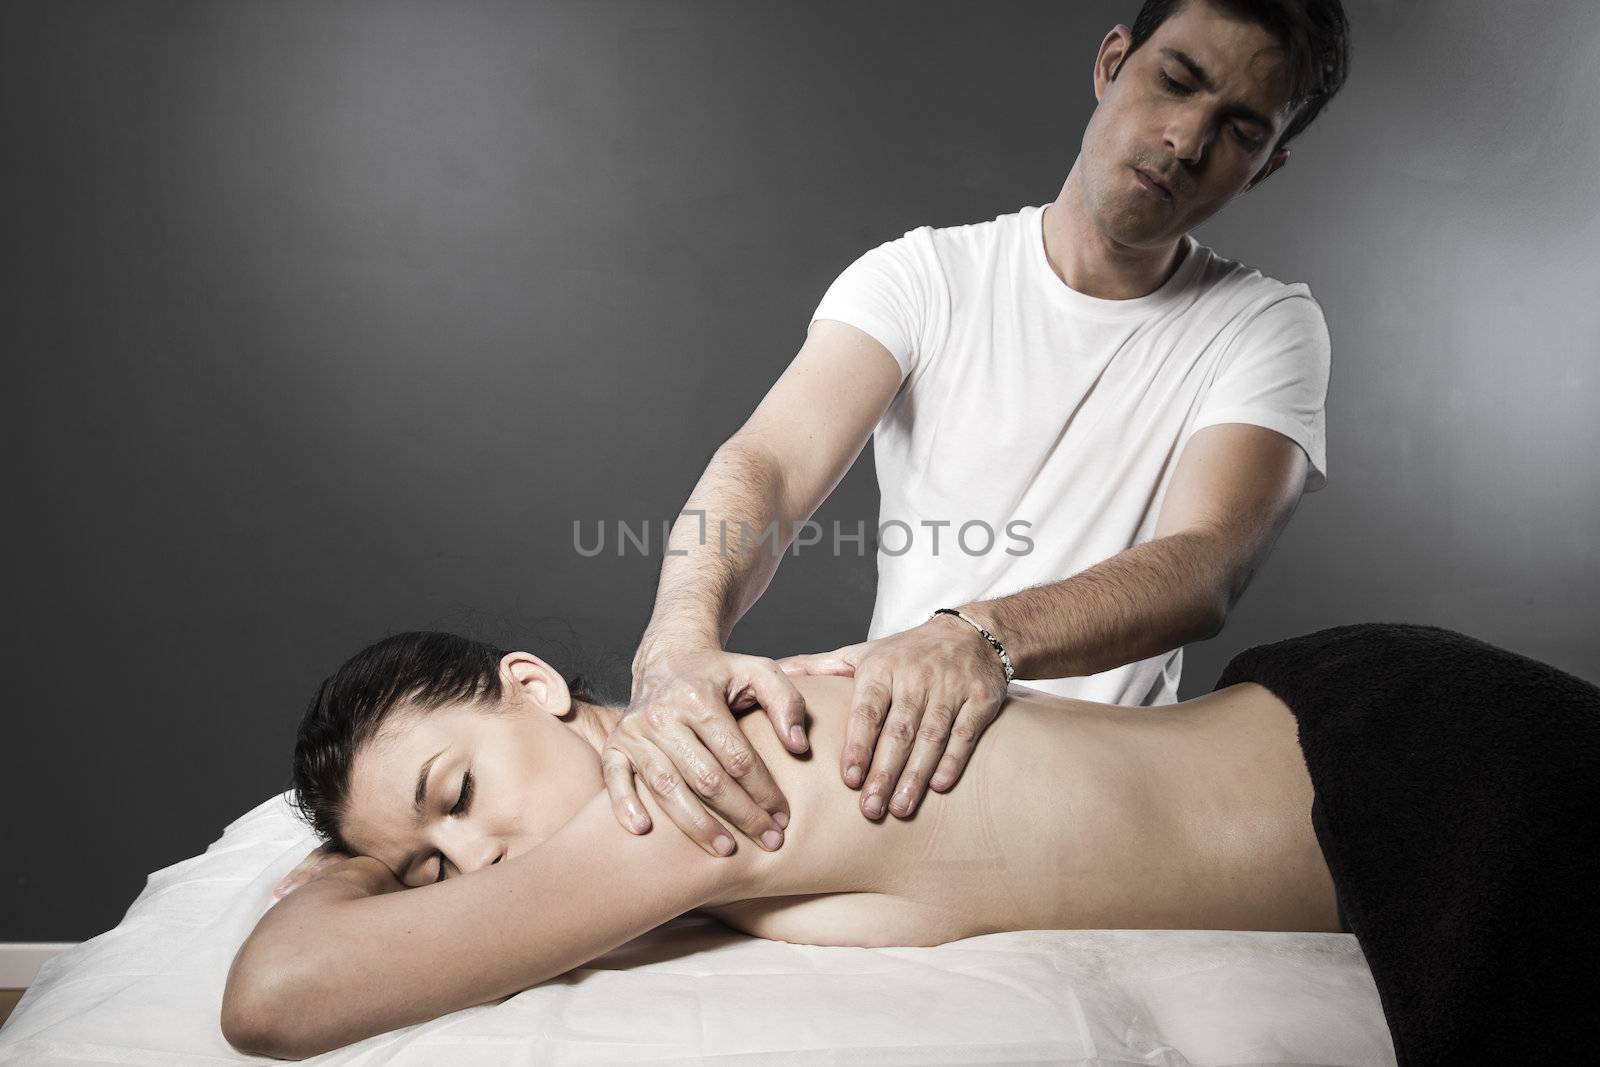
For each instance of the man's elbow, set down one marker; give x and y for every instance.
(1210, 614)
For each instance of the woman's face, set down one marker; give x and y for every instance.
(443, 793)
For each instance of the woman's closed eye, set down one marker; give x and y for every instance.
(464, 799)
(463, 802)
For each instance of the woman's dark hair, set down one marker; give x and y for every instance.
(423, 670)
(1315, 36)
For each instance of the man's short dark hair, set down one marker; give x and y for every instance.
(1314, 34)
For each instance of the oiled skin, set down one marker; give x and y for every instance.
(1069, 815)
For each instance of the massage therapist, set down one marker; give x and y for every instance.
(1089, 429)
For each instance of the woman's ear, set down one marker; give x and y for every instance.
(526, 675)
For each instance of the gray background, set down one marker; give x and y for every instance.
(328, 320)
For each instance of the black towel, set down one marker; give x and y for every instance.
(1456, 804)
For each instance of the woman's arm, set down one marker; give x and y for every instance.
(350, 959)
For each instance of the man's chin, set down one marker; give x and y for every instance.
(1136, 233)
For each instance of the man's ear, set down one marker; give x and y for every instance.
(1278, 158)
(1113, 50)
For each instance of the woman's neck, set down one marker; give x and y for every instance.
(594, 722)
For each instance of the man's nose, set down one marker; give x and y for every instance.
(1187, 135)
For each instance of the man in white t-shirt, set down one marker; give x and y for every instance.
(1089, 429)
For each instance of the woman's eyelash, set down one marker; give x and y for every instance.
(460, 809)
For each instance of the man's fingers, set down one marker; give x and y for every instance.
(711, 782)
(869, 704)
(894, 746)
(932, 736)
(724, 770)
(971, 721)
(666, 784)
(785, 707)
(617, 770)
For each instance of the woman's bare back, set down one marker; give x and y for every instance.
(1070, 815)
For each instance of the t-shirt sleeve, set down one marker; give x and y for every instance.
(1275, 374)
(893, 293)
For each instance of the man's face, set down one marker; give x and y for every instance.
(1206, 144)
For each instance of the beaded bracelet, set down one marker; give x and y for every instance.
(1005, 660)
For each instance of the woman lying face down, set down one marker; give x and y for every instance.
(469, 777)
(440, 756)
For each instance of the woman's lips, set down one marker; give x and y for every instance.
(1151, 185)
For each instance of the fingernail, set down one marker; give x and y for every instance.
(772, 839)
(852, 775)
(782, 819)
(798, 735)
(636, 818)
(723, 844)
(940, 782)
(875, 804)
(902, 802)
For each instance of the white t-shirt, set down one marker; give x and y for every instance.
(1049, 421)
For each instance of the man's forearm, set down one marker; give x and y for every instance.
(1144, 601)
(722, 552)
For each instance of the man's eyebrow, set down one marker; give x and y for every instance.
(1198, 73)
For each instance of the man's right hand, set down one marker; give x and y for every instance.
(680, 738)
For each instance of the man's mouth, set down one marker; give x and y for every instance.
(1152, 184)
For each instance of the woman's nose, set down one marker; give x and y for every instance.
(483, 853)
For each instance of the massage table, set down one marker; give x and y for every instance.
(149, 992)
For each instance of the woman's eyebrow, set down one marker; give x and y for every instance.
(422, 785)
(416, 806)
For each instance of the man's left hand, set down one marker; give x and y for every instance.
(922, 699)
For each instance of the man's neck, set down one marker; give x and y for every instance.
(1086, 260)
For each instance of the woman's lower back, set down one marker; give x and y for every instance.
(1070, 815)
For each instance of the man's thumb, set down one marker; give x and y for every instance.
(834, 663)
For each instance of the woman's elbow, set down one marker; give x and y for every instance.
(246, 1024)
(258, 1015)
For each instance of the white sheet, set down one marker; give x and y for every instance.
(149, 991)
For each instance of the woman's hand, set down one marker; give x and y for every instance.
(325, 861)
(320, 858)
(680, 738)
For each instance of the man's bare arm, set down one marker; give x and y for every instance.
(774, 471)
(1235, 489)
(679, 736)
(924, 696)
